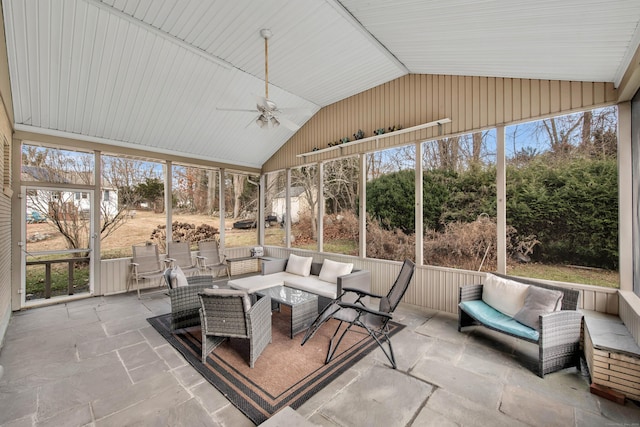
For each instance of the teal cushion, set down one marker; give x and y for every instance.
(489, 316)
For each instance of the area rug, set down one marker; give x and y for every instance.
(285, 374)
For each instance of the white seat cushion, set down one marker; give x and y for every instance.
(258, 283)
(311, 284)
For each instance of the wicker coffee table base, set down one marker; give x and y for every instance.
(304, 305)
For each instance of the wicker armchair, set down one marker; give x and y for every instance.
(228, 313)
(185, 303)
(559, 335)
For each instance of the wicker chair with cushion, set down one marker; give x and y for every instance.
(179, 254)
(185, 303)
(375, 322)
(209, 258)
(228, 313)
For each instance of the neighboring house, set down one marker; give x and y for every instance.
(41, 200)
(299, 204)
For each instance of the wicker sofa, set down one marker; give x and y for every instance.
(274, 273)
(558, 333)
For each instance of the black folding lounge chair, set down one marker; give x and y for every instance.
(375, 322)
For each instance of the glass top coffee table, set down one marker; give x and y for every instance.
(304, 305)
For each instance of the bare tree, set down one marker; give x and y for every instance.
(238, 181)
(65, 209)
(341, 184)
(307, 178)
(581, 133)
(212, 195)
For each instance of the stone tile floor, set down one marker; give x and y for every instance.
(97, 362)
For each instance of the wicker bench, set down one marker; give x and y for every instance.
(558, 338)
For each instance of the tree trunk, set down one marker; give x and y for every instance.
(238, 187)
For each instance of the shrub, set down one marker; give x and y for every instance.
(385, 243)
(472, 245)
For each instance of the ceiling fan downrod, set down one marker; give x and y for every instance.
(266, 35)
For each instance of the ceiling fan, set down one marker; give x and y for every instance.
(269, 115)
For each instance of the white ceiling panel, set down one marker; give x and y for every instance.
(153, 73)
(548, 39)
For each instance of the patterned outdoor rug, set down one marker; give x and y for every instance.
(286, 374)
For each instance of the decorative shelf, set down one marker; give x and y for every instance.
(378, 137)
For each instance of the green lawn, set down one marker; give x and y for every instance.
(35, 280)
(562, 273)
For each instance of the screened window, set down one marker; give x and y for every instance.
(391, 204)
(562, 198)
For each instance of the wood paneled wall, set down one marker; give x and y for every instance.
(630, 313)
(437, 287)
(432, 287)
(5, 224)
(114, 273)
(472, 103)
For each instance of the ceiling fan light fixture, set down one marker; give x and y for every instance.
(261, 121)
(274, 122)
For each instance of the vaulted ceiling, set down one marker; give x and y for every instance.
(153, 74)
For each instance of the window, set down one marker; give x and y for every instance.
(391, 203)
(635, 162)
(241, 201)
(54, 165)
(459, 202)
(340, 187)
(195, 206)
(106, 196)
(134, 213)
(304, 207)
(275, 208)
(562, 198)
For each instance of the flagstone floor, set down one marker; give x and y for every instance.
(97, 362)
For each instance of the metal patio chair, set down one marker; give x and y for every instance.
(209, 259)
(179, 254)
(146, 265)
(228, 313)
(375, 322)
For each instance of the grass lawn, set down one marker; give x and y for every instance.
(35, 280)
(563, 273)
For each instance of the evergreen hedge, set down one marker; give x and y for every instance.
(570, 206)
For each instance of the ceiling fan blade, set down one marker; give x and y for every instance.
(242, 110)
(288, 123)
(292, 111)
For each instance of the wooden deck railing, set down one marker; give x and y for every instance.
(47, 275)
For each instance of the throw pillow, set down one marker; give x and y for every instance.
(169, 278)
(331, 270)
(299, 265)
(246, 300)
(180, 278)
(537, 302)
(506, 296)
